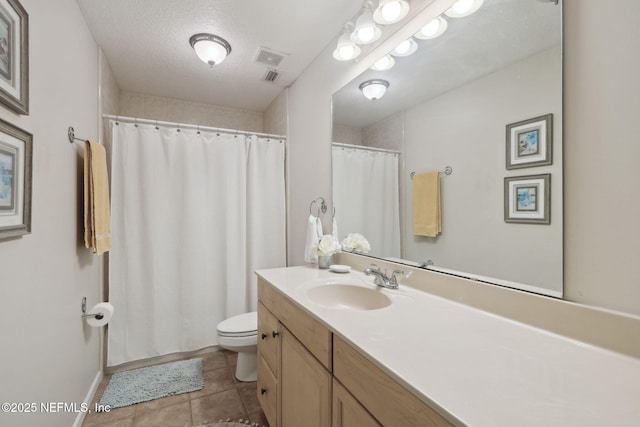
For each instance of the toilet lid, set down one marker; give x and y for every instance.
(241, 325)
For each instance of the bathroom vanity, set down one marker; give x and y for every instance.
(303, 366)
(336, 350)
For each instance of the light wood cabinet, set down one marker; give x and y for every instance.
(294, 358)
(347, 411)
(388, 401)
(309, 377)
(267, 391)
(305, 386)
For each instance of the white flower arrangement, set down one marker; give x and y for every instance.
(327, 246)
(356, 242)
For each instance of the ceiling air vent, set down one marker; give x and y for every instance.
(271, 75)
(269, 57)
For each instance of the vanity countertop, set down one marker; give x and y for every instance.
(474, 367)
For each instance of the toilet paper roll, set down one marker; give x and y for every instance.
(107, 312)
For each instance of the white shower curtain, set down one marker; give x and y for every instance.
(193, 215)
(366, 197)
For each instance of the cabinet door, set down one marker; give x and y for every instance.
(267, 386)
(347, 411)
(268, 337)
(305, 386)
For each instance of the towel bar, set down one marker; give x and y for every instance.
(71, 134)
(448, 170)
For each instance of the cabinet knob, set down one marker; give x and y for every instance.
(263, 390)
(275, 334)
(264, 336)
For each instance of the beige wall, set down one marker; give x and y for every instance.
(176, 110)
(48, 353)
(275, 116)
(386, 134)
(346, 134)
(601, 105)
(601, 195)
(109, 90)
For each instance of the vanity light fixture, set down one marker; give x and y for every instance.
(366, 30)
(374, 89)
(346, 49)
(210, 48)
(390, 11)
(383, 64)
(406, 48)
(463, 8)
(433, 29)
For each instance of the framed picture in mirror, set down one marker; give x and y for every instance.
(14, 56)
(15, 180)
(529, 142)
(527, 199)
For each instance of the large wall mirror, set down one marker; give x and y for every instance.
(483, 101)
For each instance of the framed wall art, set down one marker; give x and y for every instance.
(14, 56)
(16, 148)
(529, 142)
(527, 199)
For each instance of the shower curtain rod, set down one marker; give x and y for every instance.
(189, 126)
(363, 147)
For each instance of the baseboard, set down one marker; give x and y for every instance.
(88, 399)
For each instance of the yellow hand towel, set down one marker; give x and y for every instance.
(97, 216)
(426, 204)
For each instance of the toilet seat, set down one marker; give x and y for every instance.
(243, 325)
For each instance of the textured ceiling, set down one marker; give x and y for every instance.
(147, 44)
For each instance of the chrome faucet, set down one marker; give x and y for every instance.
(381, 279)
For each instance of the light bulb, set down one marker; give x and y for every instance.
(433, 29)
(346, 51)
(405, 48)
(384, 63)
(391, 11)
(365, 34)
(366, 30)
(463, 8)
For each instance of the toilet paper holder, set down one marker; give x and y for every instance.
(84, 311)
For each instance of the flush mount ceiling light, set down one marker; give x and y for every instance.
(383, 64)
(209, 48)
(346, 49)
(374, 89)
(366, 30)
(433, 29)
(463, 8)
(390, 11)
(406, 48)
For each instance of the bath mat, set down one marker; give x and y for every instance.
(144, 384)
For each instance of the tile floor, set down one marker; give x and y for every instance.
(223, 397)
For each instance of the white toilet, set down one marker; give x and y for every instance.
(240, 334)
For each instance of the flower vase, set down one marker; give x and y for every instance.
(324, 261)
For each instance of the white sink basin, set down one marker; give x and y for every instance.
(348, 297)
